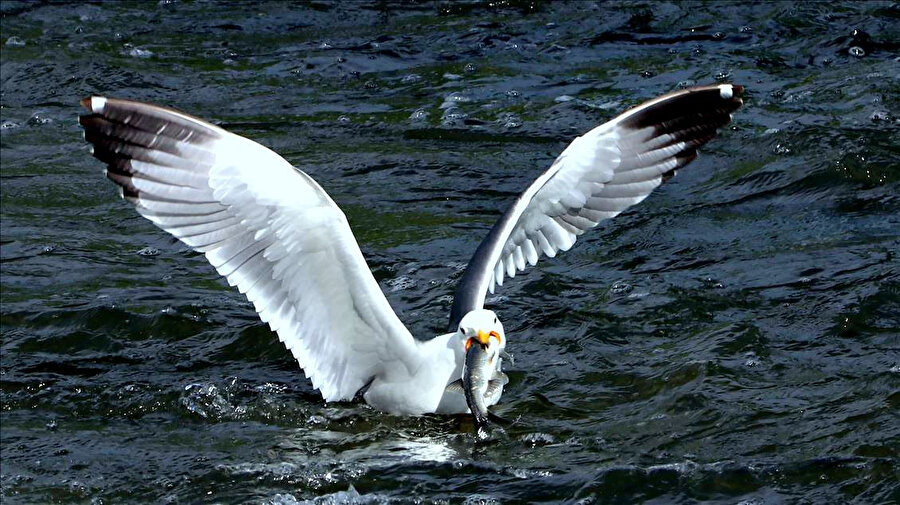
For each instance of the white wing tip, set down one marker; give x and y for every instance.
(95, 104)
(726, 91)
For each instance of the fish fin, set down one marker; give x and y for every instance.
(500, 376)
(508, 357)
(494, 386)
(456, 387)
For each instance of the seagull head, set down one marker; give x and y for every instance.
(483, 329)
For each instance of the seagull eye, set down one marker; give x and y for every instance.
(495, 320)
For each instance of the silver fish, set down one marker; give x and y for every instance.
(481, 378)
(476, 376)
(482, 381)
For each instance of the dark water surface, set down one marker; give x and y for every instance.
(733, 339)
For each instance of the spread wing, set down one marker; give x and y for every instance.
(268, 228)
(600, 174)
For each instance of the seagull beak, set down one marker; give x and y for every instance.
(484, 338)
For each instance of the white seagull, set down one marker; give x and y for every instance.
(277, 236)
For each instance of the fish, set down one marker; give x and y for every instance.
(476, 376)
(481, 380)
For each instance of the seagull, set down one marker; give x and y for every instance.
(271, 231)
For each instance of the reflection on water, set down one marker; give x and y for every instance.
(732, 339)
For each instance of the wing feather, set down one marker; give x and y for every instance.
(599, 175)
(268, 228)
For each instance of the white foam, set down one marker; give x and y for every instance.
(726, 91)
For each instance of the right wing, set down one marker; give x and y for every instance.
(267, 227)
(600, 174)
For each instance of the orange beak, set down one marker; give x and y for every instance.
(483, 338)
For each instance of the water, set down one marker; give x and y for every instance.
(733, 339)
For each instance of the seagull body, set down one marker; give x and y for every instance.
(278, 237)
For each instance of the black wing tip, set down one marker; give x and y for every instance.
(716, 99)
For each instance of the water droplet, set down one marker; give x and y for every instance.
(781, 149)
(371, 85)
(746, 29)
(538, 439)
(342, 119)
(284, 499)
(722, 76)
(620, 288)
(647, 74)
(513, 93)
(401, 284)
(7, 125)
(136, 52)
(453, 116)
(672, 50)
(14, 42)
(712, 283)
(419, 115)
(687, 83)
(470, 68)
(411, 78)
(880, 115)
(148, 251)
(719, 35)
(509, 120)
(38, 119)
(857, 51)
(51, 425)
(324, 45)
(453, 99)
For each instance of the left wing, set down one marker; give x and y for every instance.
(599, 175)
(265, 226)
